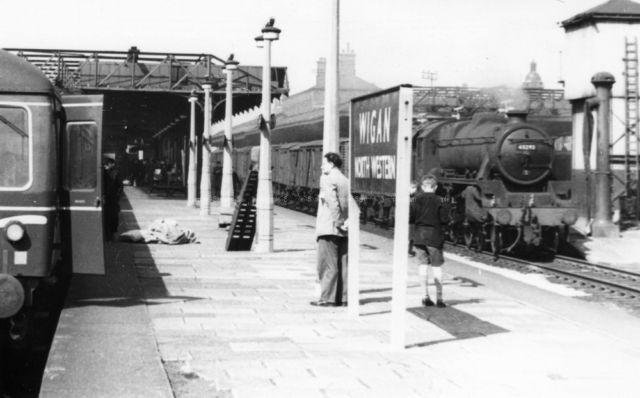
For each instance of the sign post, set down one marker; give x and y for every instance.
(380, 133)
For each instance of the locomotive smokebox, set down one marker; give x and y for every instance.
(520, 153)
(517, 116)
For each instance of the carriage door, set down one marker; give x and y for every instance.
(82, 181)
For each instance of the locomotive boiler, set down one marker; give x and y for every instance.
(511, 163)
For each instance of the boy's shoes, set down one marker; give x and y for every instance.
(440, 304)
(321, 303)
(427, 302)
(412, 253)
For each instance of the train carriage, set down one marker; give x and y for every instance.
(50, 183)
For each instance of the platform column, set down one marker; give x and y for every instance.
(603, 225)
(205, 179)
(193, 153)
(226, 191)
(331, 129)
(264, 200)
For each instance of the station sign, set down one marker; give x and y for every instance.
(380, 133)
(374, 142)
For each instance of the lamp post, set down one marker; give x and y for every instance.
(226, 191)
(191, 178)
(205, 179)
(264, 200)
(331, 129)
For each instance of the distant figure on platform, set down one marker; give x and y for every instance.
(112, 187)
(331, 233)
(473, 209)
(173, 175)
(429, 214)
(475, 214)
(217, 179)
(413, 191)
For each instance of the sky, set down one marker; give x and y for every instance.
(481, 43)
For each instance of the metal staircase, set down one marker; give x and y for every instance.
(243, 225)
(631, 141)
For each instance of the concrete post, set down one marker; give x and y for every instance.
(226, 191)
(205, 179)
(331, 130)
(264, 200)
(603, 225)
(193, 154)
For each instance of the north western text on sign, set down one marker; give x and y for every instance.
(381, 167)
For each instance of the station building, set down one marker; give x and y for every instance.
(605, 39)
(300, 117)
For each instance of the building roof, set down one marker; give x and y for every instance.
(611, 11)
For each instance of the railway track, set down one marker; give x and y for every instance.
(602, 283)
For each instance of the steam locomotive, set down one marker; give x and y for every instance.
(50, 185)
(521, 169)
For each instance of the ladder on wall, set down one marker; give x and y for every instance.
(631, 141)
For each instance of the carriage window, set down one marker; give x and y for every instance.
(14, 147)
(81, 158)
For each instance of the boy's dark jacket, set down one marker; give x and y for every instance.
(429, 215)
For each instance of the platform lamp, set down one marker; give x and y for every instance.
(264, 200)
(205, 179)
(193, 153)
(226, 191)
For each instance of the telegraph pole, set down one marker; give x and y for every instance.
(431, 77)
(331, 130)
(264, 199)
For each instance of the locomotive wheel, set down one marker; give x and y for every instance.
(481, 238)
(468, 236)
(559, 238)
(450, 233)
(496, 241)
(473, 237)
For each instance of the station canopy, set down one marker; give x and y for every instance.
(150, 89)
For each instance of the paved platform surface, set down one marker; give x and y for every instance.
(240, 325)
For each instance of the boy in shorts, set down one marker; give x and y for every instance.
(428, 214)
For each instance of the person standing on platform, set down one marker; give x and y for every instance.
(429, 214)
(331, 233)
(112, 190)
(217, 179)
(413, 191)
